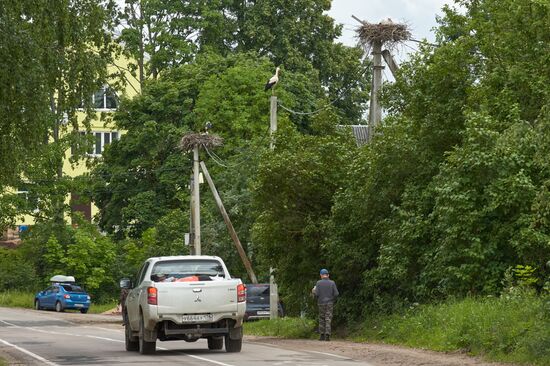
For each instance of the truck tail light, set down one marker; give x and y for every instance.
(241, 293)
(151, 296)
(67, 296)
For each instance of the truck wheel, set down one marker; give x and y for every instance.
(58, 307)
(215, 343)
(234, 345)
(145, 347)
(131, 342)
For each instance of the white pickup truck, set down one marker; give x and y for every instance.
(184, 298)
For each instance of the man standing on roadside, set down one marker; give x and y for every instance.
(326, 293)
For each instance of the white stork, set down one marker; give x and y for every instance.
(273, 81)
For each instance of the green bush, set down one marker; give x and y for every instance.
(282, 327)
(15, 271)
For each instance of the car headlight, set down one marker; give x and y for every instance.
(88, 297)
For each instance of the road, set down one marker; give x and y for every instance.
(48, 338)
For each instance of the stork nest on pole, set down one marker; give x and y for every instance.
(192, 140)
(386, 32)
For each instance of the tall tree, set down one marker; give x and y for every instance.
(54, 58)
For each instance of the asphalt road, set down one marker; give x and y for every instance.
(33, 337)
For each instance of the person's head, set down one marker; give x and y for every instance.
(324, 273)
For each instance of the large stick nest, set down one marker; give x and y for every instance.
(385, 32)
(192, 140)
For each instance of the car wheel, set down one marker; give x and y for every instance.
(234, 345)
(131, 341)
(37, 305)
(83, 311)
(215, 343)
(145, 347)
(58, 307)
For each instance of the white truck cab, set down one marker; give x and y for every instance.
(184, 298)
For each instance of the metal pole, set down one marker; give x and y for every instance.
(230, 227)
(273, 120)
(196, 202)
(375, 112)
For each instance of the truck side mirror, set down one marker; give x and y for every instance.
(125, 283)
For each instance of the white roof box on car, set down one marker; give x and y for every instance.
(61, 278)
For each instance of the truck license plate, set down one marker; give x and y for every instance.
(196, 318)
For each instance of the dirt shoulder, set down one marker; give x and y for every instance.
(376, 354)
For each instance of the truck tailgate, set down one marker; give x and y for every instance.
(197, 297)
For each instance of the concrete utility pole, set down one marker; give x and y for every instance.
(196, 203)
(390, 61)
(273, 296)
(273, 120)
(229, 225)
(375, 112)
(373, 37)
(191, 221)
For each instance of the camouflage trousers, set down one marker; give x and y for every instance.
(325, 318)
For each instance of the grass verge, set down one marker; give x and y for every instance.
(509, 329)
(24, 299)
(282, 327)
(500, 329)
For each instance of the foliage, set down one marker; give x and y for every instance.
(292, 197)
(513, 330)
(452, 192)
(54, 58)
(81, 252)
(282, 327)
(15, 271)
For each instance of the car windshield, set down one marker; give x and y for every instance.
(257, 290)
(188, 267)
(72, 288)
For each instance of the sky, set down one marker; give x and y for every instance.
(418, 14)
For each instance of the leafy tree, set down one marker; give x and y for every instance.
(292, 198)
(54, 58)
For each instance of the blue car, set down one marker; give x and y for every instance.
(61, 296)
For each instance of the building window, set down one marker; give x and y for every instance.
(100, 140)
(105, 98)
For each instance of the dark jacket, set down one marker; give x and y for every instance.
(325, 291)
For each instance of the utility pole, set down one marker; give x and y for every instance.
(196, 203)
(375, 112)
(273, 296)
(229, 225)
(390, 61)
(273, 120)
(191, 215)
(373, 37)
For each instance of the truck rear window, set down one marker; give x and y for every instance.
(203, 269)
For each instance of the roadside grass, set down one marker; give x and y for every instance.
(25, 299)
(101, 308)
(17, 299)
(3, 362)
(282, 327)
(509, 329)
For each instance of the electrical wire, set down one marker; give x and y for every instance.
(340, 95)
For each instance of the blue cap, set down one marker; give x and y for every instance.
(324, 271)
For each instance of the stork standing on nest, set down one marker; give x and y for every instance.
(273, 81)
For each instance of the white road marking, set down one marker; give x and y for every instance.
(206, 359)
(330, 354)
(33, 355)
(97, 337)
